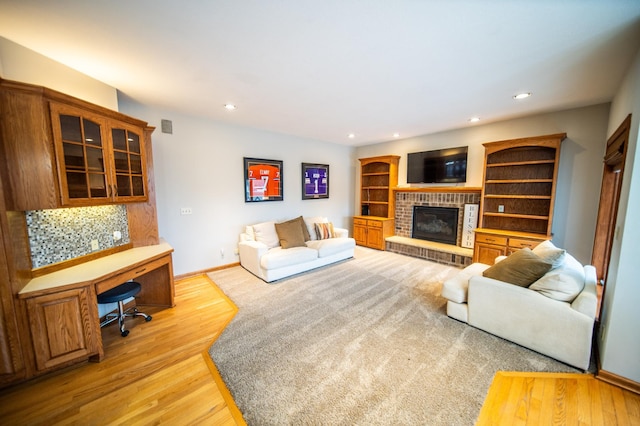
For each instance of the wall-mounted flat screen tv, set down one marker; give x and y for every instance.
(438, 166)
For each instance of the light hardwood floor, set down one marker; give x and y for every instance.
(161, 374)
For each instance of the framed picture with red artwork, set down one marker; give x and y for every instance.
(262, 180)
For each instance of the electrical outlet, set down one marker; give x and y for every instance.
(186, 210)
(236, 252)
(117, 236)
(94, 245)
(500, 208)
(222, 253)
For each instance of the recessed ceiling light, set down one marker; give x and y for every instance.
(474, 119)
(522, 95)
(230, 107)
(351, 135)
(396, 135)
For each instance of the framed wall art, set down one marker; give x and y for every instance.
(315, 181)
(262, 180)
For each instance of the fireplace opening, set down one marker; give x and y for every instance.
(439, 224)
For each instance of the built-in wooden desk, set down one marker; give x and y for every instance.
(63, 307)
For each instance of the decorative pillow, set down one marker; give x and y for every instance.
(310, 222)
(290, 234)
(300, 221)
(550, 253)
(265, 232)
(324, 231)
(563, 283)
(521, 268)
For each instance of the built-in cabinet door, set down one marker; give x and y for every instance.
(129, 167)
(64, 327)
(82, 155)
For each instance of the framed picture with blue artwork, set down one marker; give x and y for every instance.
(315, 181)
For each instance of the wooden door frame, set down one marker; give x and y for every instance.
(613, 169)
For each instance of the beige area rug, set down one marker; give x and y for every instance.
(362, 342)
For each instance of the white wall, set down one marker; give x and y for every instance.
(579, 173)
(21, 64)
(200, 166)
(620, 333)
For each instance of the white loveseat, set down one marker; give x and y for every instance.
(554, 316)
(272, 251)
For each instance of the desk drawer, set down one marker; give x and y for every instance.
(362, 222)
(374, 223)
(131, 274)
(491, 239)
(517, 243)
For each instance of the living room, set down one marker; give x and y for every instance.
(199, 166)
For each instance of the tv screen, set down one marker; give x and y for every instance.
(438, 166)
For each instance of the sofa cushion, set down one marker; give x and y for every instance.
(563, 283)
(265, 233)
(290, 234)
(279, 257)
(324, 231)
(331, 246)
(550, 253)
(310, 222)
(521, 268)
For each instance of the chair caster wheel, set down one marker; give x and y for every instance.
(125, 333)
(148, 318)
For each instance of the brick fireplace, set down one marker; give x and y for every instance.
(453, 197)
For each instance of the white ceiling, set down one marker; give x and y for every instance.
(321, 69)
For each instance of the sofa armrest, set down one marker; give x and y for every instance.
(587, 301)
(341, 232)
(250, 253)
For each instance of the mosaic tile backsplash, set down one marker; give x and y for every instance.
(63, 234)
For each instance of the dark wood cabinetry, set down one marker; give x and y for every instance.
(60, 151)
(518, 193)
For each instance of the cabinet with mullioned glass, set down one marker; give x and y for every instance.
(100, 160)
(60, 151)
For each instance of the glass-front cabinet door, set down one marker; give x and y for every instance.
(127, 157)
(81, 154)
(99, 160)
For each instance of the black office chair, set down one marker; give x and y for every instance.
(119, 294)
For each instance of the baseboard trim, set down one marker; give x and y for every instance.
(619, 381)
(205, 271)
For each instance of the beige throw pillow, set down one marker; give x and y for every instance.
(550, 253)
(303, 226)
(290, 234)
(520, 268)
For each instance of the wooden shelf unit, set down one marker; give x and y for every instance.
(518, 193)
(378, 178)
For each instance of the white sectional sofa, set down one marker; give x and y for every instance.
(272, 251)
(554, 315)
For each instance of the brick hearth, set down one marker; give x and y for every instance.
(402, 242)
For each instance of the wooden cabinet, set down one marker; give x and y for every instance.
(64, 327)
(491, 243)
(371, 231)
(518, 194)
(61, 151)
(99, 160)
(378, 178)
